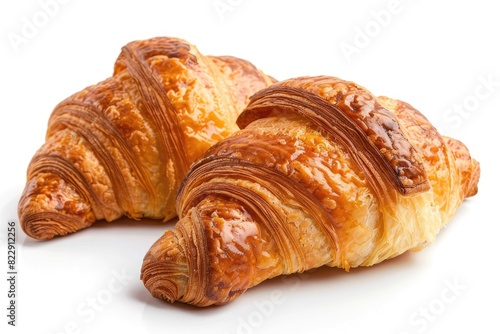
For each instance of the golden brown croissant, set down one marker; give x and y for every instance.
(322, 173)
(122, 146)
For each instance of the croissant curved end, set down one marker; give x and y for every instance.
(49, 207)
(472, 188)
(164, 273)
(469, 168)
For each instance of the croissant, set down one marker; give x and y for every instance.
(122, 146)
(322, 173)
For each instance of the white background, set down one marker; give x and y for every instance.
(438, 56)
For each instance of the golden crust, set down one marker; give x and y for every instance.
(287, 193)
(355, 117)
(122, 146)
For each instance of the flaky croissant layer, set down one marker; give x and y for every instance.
(122, 146)
(322, 173)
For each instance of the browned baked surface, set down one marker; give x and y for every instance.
(322, 173)
(122, 146)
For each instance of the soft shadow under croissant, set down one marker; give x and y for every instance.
(322, 173)
(122, 146)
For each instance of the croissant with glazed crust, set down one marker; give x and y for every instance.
(322, 173)
(122, 146)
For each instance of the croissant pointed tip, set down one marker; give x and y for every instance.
(158, 286)
(41, 228)
(468, 168)
(164, 272)
(49, 207)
